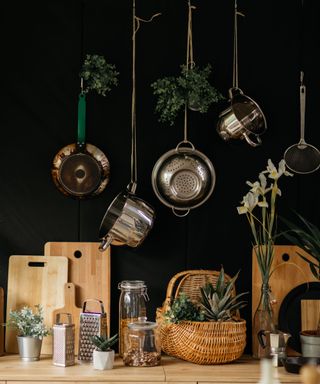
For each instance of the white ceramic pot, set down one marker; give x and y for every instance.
(310, 343)
(29, 348)
(103, 359)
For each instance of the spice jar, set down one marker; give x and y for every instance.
(132, 305)
(142, 344)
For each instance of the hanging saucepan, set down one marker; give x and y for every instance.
(127, 221)
(80, 169)
(183, 178)
(242, 120)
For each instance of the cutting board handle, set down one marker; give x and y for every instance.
(93, 300)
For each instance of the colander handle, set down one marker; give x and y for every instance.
(250, 142)
(180, 215)
(105, 243)
(234, 91)
(185, 143)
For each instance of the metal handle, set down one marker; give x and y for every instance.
(69, 317)
(262, 337)
(234, 91)
(250, 142)
(81, 119)
(105, 243)
(131, 187)
(187, 143)
(302, 107)
(93, 300)
(178, 215)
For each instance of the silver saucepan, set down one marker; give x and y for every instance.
(183, 178)
(242, 120)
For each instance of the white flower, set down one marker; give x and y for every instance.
(250, 200)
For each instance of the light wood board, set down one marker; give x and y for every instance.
(287, 275)
(89, 270)
(70, 307)
(1, 321)
(310, 311)
(35, 280)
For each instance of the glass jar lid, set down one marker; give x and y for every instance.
(142, 324)
(132, 284)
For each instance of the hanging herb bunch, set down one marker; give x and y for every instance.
(98, 75)
(191, 88)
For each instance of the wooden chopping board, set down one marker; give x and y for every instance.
(35, 280)
(70, 307)
(89, 270)
(310, 310)
(285, 277)
(1, 321)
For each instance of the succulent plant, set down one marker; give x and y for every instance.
(218, 302)
(103, 343)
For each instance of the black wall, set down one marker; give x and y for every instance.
(41, 48)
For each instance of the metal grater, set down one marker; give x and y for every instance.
(91, 323)
(63, 341)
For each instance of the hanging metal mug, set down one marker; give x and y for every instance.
(242, 120)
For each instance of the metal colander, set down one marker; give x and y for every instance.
(183, 178)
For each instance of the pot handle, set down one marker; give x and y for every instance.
(187, 143)
(250, 142)
(234, 91)
(180, 215)
(81, 119)
(105, 243)
(131, 187)
(262, 337)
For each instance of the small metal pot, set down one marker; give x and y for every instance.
(183, 178)
(242, 119)
(127, 221)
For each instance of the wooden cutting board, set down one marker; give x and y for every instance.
(89, 270)
(1, 321)
(290, 271)
(70, 307)
(35, 280)
(310, 310)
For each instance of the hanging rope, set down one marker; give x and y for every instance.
(135, 27)
(235, 46)
(189, 63)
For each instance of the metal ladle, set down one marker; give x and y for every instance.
(302, 157)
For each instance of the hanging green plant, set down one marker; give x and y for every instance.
(98, 75)
(191, 88)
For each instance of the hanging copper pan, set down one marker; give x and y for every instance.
(80, 169)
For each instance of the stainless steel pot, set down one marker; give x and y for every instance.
(242, 120)
(127, 221)
(183, 178)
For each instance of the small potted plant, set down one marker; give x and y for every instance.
(98, 75)
(191, 88)
(30, 331)
(103, 355)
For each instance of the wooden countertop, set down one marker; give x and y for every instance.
(244, 370)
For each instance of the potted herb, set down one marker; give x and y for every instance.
(191, 88)
(98, 74)
(103, 355)
(30, 331)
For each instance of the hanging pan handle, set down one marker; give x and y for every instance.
(250, 142)
(175, 212)
(105, 243)
(81, 117)
(185, 143)
(302, 108)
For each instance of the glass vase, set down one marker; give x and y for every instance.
(263, 319)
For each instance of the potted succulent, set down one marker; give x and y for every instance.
(98, 74)
(306, 235)
(103, 355)
(191, 88)
(30, 331)
(206, 329)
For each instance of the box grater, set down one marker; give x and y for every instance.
(63, 341)
(91, 323)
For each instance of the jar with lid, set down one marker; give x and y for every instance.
(132, 305)
(142, 344)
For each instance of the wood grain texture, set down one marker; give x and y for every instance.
(32, 285)
(310, 310)
(287, 274)
(1, 321)
(70, 307)
(89, 270)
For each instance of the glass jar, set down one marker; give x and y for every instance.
(132, 305)
(142, 344)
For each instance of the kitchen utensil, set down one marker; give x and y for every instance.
(1, 321)
(294, 364)
(89, 271)
(91, 323)
(290, 311)
(35, 280)
(72, 309)
(63, 341)
(128, 219)
(275, 344)
(81, 169)
(243, 119)
(302, 157)
(183, 178)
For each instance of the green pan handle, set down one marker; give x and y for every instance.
(82, 119)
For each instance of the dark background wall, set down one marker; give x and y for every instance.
(40, 61)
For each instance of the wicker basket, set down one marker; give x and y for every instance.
(199, 342)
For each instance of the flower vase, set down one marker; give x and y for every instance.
(263, 319)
